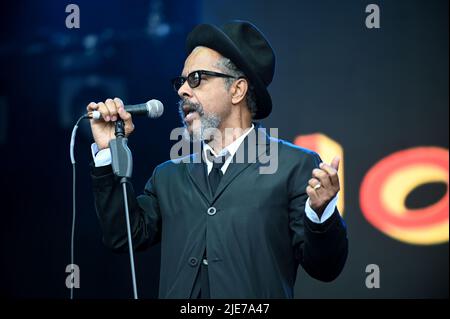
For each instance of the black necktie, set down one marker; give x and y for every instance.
(216, 173)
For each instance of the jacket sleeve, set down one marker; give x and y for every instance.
(321, 249)
(145, 218)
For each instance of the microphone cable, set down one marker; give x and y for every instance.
(120, 133)
(72, 159)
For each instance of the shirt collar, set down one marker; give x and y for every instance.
(231, 149)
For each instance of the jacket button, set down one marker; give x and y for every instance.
(193, 261)
(211, 211)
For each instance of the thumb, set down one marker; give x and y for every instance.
(335, 162)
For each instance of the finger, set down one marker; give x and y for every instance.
(322, 176)
(314, 183)
(129, 128)
(119, 102)
(312, 194)
(335, 162)
(104, 111)
(112, 109)
(91, 107)
(334, 177)
(124, 115)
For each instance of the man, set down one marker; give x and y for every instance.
(226, 230)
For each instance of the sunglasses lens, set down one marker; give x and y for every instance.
(177, 83)
(194, 79)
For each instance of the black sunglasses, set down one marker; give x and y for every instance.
(194, 78)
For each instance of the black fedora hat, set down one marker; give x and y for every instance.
(247, 48)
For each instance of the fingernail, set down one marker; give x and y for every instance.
(107, 118)
(114, 118)
(321, 165)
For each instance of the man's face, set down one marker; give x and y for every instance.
(206, 106)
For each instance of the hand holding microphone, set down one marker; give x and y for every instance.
(105, 126)
(103, 116)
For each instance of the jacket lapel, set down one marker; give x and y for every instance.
(197, 171)
(246, 155)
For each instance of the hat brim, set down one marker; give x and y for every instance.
(212, 37)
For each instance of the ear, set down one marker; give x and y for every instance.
(239, 90)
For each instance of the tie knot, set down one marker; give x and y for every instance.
(217, 161)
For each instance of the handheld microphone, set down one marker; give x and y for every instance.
(152, 109)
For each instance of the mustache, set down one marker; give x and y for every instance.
(187, 106)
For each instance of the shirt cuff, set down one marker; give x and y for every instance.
(102, 157)
(329, 210)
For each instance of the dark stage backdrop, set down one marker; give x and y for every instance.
(376, 96)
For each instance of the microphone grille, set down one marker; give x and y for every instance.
(155, 108)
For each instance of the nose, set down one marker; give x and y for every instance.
(185, 91)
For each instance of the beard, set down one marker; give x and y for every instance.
(202, 129)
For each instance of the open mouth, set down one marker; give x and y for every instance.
(190, 111)
(190, 115)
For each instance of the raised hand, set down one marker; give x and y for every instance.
(324, 185)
